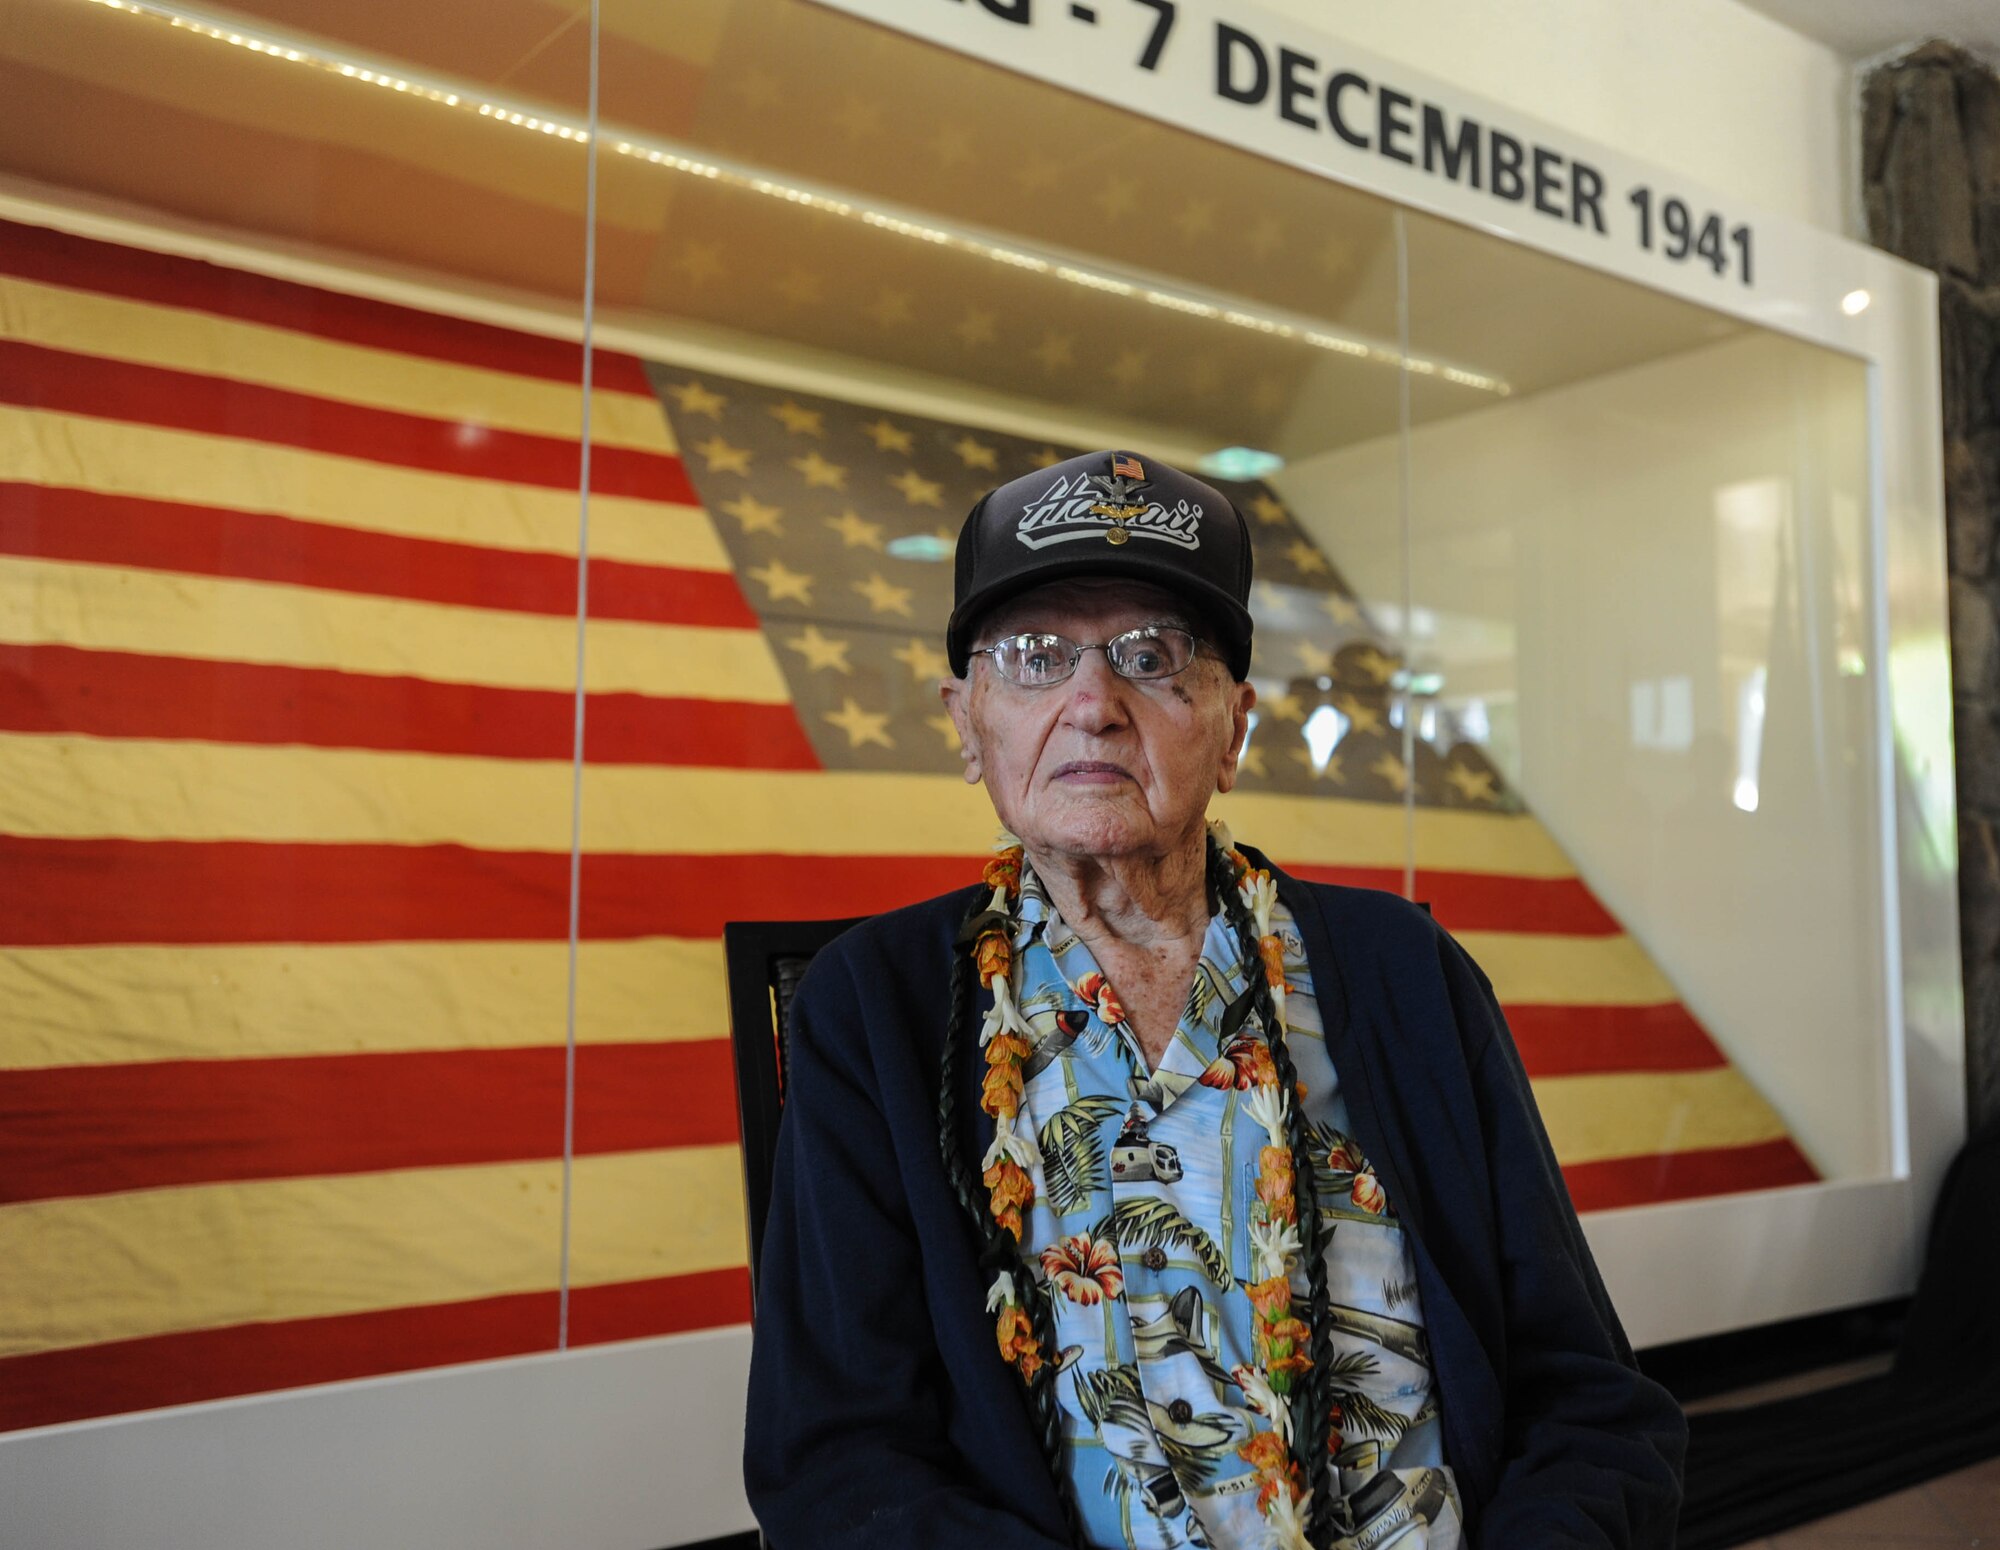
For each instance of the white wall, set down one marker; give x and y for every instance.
(1705, 87)
(618, 1447)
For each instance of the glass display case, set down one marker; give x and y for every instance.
(368, 854)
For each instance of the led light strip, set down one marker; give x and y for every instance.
(466, 98)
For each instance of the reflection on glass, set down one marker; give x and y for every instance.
(287, 559)
(1646, 584)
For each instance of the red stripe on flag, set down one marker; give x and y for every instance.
(92, 1130)
(113, 890)
(49, 523)
(635, 1310)
(126, 694)
(68, 892)
(57, 258)
(1611, 1182)
(40, 378)
(1485, 901)
(47, 1387)
(1564, 1040)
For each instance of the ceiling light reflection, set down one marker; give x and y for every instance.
(534, 119)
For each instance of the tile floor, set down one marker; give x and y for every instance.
(1943, 1514)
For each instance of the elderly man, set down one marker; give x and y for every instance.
(1141, 1195)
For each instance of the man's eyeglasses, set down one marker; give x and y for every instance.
(1041, 661)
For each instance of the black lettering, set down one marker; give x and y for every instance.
(1454, 152)
(1548, 181)
(1679, 223)
(1392, 124)
(1586, 191)
(1156, 40)
(1009, 10)
(1294, 82)
(1741, 237)
(1228, 41)
(1506, 159)
(1334, 87)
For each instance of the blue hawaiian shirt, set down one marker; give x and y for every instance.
(1141, 1224)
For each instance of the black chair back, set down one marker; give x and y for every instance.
(766, 960)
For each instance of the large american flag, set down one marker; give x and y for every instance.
(287, 657)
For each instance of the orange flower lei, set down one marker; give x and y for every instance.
(1279, 1339)
(1009, 1164)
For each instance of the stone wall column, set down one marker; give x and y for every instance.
(1931, 180)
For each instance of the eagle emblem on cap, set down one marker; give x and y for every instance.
(1119, 487)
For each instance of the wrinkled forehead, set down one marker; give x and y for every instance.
(1092, 604)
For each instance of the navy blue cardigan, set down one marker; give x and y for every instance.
(880, 1413)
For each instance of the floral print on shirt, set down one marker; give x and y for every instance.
(1140, 1223)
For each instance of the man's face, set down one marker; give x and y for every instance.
(1099, 765)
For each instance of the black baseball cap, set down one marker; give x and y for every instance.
(1105, 514)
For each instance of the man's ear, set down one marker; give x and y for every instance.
(1242, 700)
(957, 696)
